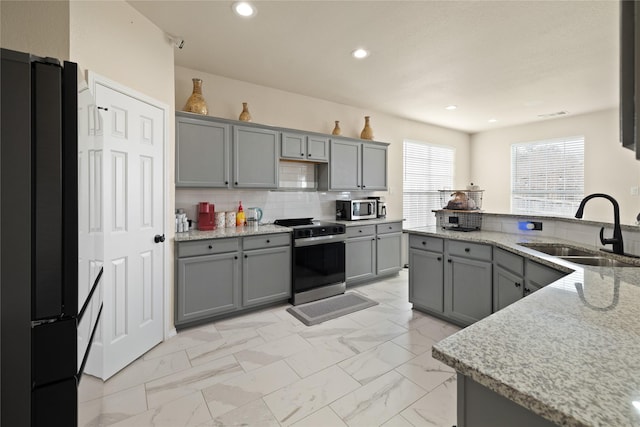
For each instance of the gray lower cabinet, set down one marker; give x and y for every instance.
(538, 276)
(216, 277)
(426, 280)
(479, 406)
(372, 251)
(515, 278)
(464, 282)
(207, 285)
(507, 288)
(202, 153)
(508, 278)
(266, 272)
(467, 289)
(388, 248)
(255, 157)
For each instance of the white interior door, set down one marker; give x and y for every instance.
(133, 208)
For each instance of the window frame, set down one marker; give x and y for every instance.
(430, 194)
(536, 199)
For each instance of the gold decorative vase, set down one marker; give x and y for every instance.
(367, 132)
(336, 129)
(196, 102)
(245, 116)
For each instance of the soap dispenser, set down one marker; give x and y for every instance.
(240, 218)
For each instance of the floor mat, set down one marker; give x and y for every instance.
(320, 311)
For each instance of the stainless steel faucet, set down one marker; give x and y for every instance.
(616, 241)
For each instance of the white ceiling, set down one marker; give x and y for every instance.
(508, 60)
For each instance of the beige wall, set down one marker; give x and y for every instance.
(608, 167)
(37, 27)
(278, 108)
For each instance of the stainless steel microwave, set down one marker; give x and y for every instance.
(350, 210)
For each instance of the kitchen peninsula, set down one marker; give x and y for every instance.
(564, 355)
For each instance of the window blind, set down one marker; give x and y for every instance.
(427, 168)
(547, 177)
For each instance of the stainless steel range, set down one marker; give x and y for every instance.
(318, 265)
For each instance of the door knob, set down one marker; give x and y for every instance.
(158, 238)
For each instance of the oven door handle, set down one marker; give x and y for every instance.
(319, 240)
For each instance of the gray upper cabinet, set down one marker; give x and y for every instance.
(298, 146)
(357, 166)
(346, 166)
(255, 157)
(374, 167)
(202, 153)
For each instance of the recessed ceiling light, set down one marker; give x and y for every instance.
(360, 53)
(493, 120)
(450, 107)
(244, 9)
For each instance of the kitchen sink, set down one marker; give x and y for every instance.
(578, 255)
(598, 261)
(558, 250)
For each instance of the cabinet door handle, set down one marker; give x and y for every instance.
(527, 290)
(302, 154)
(449, 260)
(226, 183)
(363, 185)
(210, 246)
(517, 284)
(268, 241)
(467, 250)
(235, 183)
(378, 238)
(424, 243)
(390, 228)
(359, 231)
(439, 258)
(309, 155)
(235, 257)
(246, 256)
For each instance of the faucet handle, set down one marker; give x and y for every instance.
(606, 241)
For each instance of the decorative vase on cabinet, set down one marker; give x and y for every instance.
(245, 116)
(336, 129)
(196, 102)
(367, 132)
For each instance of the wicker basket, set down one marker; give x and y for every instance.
(461, 199)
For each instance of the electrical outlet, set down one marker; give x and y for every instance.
(530, 225)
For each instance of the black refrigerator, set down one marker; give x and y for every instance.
(39, 241)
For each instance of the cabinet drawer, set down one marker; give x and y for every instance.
(393, 227)
(266, 241)
(432, 244)
(207, 247)
(509, 261)
(364, 230)
(470, 250)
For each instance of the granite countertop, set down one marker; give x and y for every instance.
(569, 352)
(222, 233)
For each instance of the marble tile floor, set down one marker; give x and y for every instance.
(266, 368)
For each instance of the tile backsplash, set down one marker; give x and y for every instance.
(274, 204)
